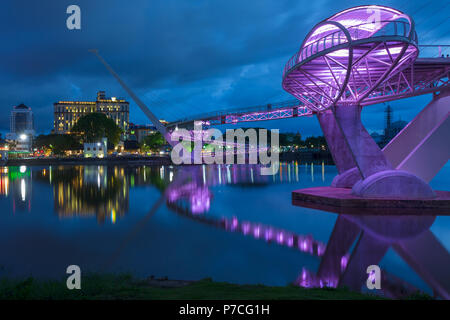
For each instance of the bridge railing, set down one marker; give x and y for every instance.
(357, 32)
(224, 113)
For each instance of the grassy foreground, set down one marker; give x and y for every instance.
(123, 287)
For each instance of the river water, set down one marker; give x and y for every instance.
(225, 222)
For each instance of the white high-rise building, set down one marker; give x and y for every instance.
(21, 127)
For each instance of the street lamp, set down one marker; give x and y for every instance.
(23, 137)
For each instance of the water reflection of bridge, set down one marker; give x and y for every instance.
(355, 243)
(103, 192)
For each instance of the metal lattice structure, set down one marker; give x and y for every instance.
(280, 110)
(344, 58)
(426, 75)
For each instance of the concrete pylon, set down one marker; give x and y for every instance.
(351, 144)
(342, 156)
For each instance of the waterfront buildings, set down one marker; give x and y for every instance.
(139, 132)
(391, 128)
(96, 149)
(67, 113)
(21, 128)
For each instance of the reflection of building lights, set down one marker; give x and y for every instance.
(113, 216)
(4, 185)
(22, 189)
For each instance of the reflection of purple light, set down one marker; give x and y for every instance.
(309, 280)
(305, 279)
(344, 261)
(234, 223)
(268, 234)
(290, 241)
(280, 237)
(303, 244)
(320, 249)
(245, 227)
(200, 200)
(172, 195)
(257, 231)
(330, 283)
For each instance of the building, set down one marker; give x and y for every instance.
(391, 129)
(21, 127)
(67, 113)
(97, 149)
(139, 132)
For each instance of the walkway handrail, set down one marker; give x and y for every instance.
(338, 37)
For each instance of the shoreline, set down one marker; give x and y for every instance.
(150, 160)
(154, 161)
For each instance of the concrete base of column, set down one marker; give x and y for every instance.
(346, 179)
(393, 184)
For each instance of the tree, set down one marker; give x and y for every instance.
(297, 139)
(284, 139)
(94, 126)
(57, 143)
(153, 141)
(316, 142)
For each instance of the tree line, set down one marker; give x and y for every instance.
(89, 128)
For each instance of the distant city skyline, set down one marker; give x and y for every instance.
(229, 54)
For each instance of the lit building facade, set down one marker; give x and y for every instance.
(21, 127)
(67, 113)
(96, 149)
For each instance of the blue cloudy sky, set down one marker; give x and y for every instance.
(181, 57)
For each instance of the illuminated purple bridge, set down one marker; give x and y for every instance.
(358, 57)
(367, 55)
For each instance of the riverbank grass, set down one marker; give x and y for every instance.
(124, 287)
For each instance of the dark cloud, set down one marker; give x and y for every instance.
(181, 56)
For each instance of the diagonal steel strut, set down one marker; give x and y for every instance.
(159, 126)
